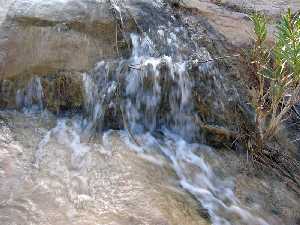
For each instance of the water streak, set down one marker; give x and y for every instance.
(30, 98)
(196, 176)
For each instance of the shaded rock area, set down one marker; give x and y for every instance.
(256, 186)
(219, 91)
(60, 91)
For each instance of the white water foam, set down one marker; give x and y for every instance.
(68, 135)
(196, 176)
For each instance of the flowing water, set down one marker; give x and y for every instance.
(158, 108)
(67, 171)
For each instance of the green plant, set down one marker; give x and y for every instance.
(278, 74)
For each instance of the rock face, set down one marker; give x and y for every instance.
(41, 37)
(231, 17)
(58, 40)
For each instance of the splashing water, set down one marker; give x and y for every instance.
(156, 97)
(152, 92)
(197, 177)
(68, 137)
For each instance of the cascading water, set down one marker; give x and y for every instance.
(152, 92)
(151, 96)
(31, 97)
(155, 95)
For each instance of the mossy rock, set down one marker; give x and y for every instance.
(61, 91)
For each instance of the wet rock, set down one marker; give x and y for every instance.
(257, 187)
(63, 92)
(56, 92)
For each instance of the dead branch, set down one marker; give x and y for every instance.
(219, 58)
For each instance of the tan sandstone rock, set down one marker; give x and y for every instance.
(41, 37)
(231, 17)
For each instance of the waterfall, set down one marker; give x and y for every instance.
(154, 94)
(150, 95)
